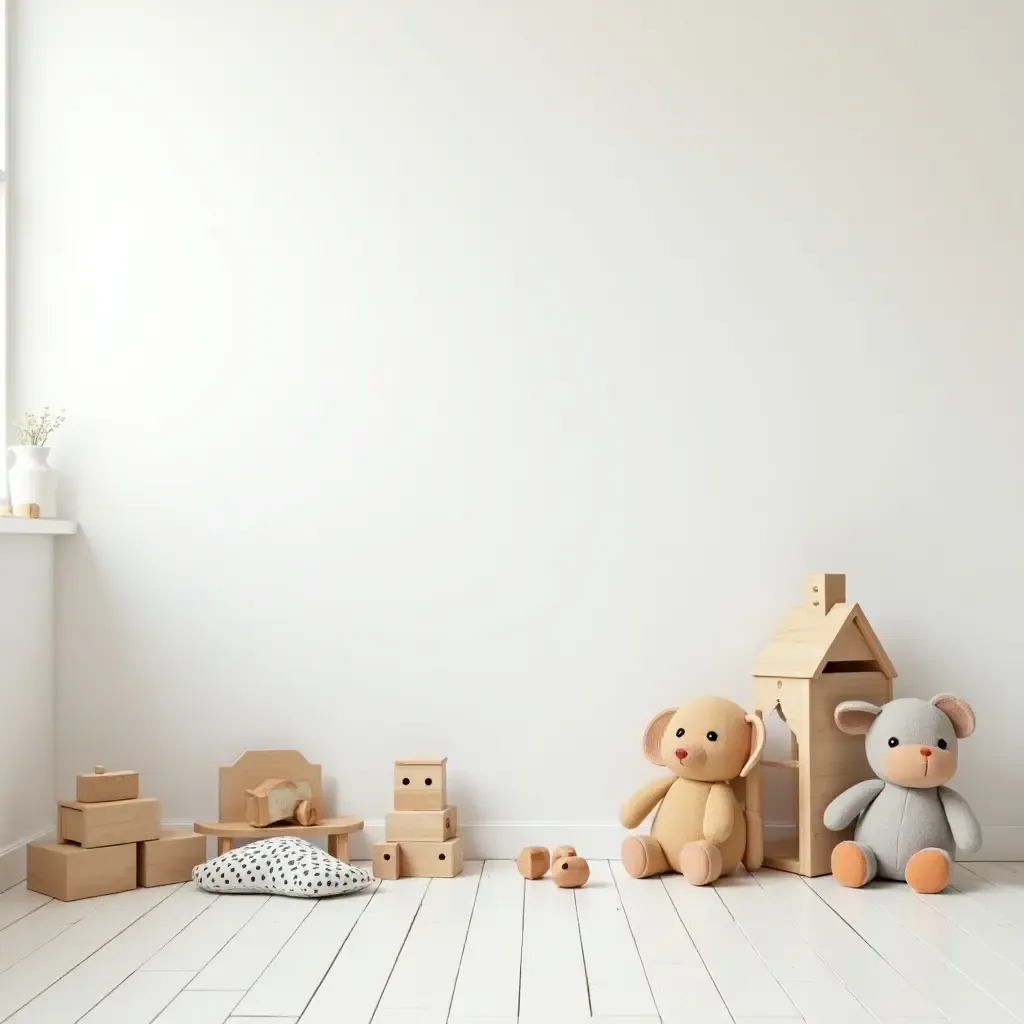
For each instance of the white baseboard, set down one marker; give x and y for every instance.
(502, 840)
(12, 859)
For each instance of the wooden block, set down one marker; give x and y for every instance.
(570, 872)
(822, 590)
(27, 511)
(99, 786)
(386, 861)
(68, 872)
(421, 826)
(110, 823)
(533, 862)
(420, 785)
(563, 851)
(170, 858)
(275, 800)
(431, 860)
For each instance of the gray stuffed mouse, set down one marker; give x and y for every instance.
(909, 823)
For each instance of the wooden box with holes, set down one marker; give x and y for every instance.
(421, 837)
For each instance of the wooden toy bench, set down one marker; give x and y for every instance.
(252, 768)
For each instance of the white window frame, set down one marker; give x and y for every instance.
(5, 362)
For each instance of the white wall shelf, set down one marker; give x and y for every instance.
(20, 524)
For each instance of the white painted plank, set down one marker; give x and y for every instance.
(683, 989)
(953, 994)
(262, 1020)
(788, 955)
(488, 982)
(18, 901)
(247, 953)
(30, 932)
(995, 975)
(983, 883)
(288, 984)
(873, 982)
(481, 1020)
(203, 939)
(352, 987)
(83, 987)
(199, 1008)
(553, 981)
(825, 1003)
(615, 973)
(747, 986)
(423, 979)
(141, 997)
(36, 972)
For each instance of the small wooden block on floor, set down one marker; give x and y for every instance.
(420, 784)
(109, 823)
(170, 858)
(100, 785)
(386, 861)
(421, 826)
(68, 872)
(431, 860)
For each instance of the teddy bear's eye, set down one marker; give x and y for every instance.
(942, 744)
(679, 732)
(712, 735)
(893, 742)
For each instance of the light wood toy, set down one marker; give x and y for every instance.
(533, 862)
(825, 652)
(68, 872)
(252, 769)
(280, 800)
(422, 833)
(420, 784)
(110, 822)
(170, 858)
(570, 872)
(100, 785)
(563, 851)
(27, 511)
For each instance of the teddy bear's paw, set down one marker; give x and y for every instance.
(928, 870)
(701, 862)
(853, 864)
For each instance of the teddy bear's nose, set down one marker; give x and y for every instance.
(682, 753)
(926, 752)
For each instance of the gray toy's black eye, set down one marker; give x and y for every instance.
(942, 744)
(712, 735)
(679, 732)
(893, 742)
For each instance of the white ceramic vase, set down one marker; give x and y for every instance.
(32, 480)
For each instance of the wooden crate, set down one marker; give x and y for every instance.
(421, 826)
(109, 823)
(68, 872)
(170, 858)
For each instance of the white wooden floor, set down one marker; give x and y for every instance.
(488, 948)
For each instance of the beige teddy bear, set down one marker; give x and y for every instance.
(706, 824)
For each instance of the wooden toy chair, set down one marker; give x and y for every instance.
(252, 768)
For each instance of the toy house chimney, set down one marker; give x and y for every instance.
(824, 589)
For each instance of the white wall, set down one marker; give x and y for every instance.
(478, 378)
(27, 807)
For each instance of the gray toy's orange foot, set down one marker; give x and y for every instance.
(928, 870)
(701, 862)
(850, 865)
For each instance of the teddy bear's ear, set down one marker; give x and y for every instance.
(653, 733)
(855, 717)
(757, 739)
(958, 712)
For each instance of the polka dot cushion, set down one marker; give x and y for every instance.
(282, 866)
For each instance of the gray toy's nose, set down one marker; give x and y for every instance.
(926, 752)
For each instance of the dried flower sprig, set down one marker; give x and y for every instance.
(36, 430)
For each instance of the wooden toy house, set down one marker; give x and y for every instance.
(824, 652)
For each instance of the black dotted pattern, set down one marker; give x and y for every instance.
(281, 866)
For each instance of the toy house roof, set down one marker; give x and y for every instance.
(808, 641)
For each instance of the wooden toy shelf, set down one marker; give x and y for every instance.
(337, 831)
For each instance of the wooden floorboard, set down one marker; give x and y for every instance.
(490, 948)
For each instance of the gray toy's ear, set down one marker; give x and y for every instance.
(856, 716)
(958, 712)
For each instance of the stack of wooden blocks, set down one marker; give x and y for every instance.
(110, 840)
(421, 835)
